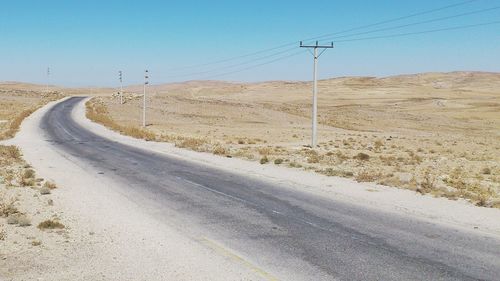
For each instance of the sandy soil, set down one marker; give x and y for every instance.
(26, 200)
(434, 133)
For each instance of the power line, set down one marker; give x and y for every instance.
(419, 32)
(395, 19)
(358, 39)
(326, 35)
(234, 65)
(255, 66)
(344, 36)
(419, 23)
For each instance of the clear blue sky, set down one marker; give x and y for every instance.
(86, 42)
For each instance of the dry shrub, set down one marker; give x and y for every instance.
(312, 156)
(36, 243)
(278, 161)
(50, 185)
(264, 160)
(27, 178)
(427, 184)
(336, 173)
(8, 208)
(486, 171)
(367, 176)
(220, 150)
(341, 156)
(28, 174)
(9, 154)
(362, 156)
(264, 151)
(191, 143)
(50, 224)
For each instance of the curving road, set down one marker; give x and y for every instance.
(287, 234)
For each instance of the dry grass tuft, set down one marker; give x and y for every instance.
(36, 243)
(50, 224)
(278, 161)
(362, 156)
(50, 185)
(10, 152)
(8, 208)
(220, 150)
(27, 178)
(264, 160)
(486, 171)
(367, 176)
(191, 143)
(428, 183)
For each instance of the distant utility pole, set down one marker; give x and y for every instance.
(314, 140)
(146, 82)
(121, 86)
(48, 80)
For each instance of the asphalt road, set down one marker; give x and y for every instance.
(288, 234)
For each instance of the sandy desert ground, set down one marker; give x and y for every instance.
(436, 133)
(30, 221)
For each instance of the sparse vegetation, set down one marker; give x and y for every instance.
(50, 185)
(97, 112)
(486, 171)
(278, 161)
(220, 150)
(50, 224)
(363, 138)
(8, 208)
(362, 156)
(36, 243)
(264, 160)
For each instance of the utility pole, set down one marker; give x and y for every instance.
(48, 80)
(121, 86)
(314, 139)
(146, 82)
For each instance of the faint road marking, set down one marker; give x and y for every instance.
(228, 253)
